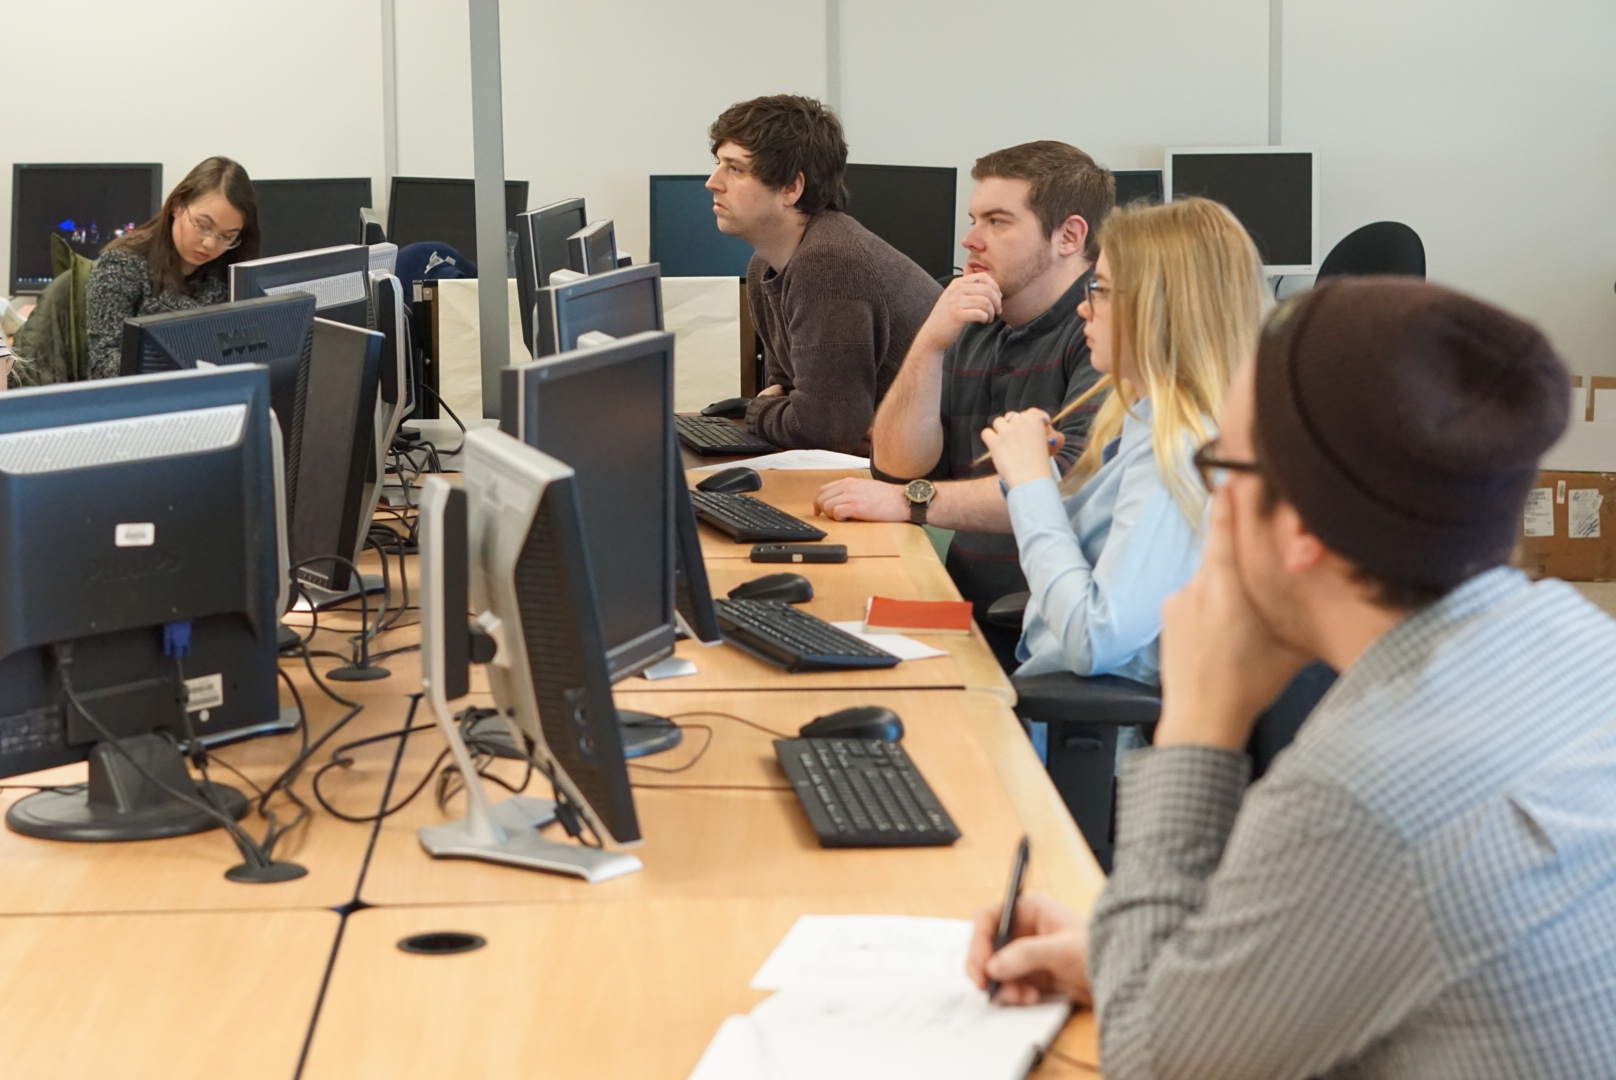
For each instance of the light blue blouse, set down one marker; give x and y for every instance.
(1100, 563)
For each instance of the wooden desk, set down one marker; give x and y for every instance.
(793, 491)
(187, 873)
(631, 990)
(751, 842)
(160, 995)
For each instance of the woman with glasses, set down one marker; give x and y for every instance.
(1174, 306)
(174, 261)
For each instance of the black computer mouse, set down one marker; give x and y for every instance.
(858, 722)
(792, 588)
(731, 408)
(732, 481)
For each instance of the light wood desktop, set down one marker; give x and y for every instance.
(626, 990)
(141, 996)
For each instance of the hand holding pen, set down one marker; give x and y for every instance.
(1045, 950)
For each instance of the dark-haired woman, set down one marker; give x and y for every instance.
(175, 261)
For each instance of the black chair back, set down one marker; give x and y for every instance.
(1384, 247)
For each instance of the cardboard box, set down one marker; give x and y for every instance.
(1569, 528)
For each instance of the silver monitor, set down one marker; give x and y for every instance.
(619, 303)
(335, 276)
(593, 248)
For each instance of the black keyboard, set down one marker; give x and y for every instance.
(864, 793)
(749, 520)
(709, 435)
(775, 631)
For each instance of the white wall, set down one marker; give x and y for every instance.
(599, 96)
(291, 89)
(1488, 127)
(945, 82)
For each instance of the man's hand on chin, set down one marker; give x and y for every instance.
(861, 500)
(1221, 665)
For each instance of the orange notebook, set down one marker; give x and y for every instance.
(886, 616)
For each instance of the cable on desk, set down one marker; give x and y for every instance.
(1070, 1060)
(737, 719)
(705, 746)
(458, 423)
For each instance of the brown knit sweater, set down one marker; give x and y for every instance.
(835, 324)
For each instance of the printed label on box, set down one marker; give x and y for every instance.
(1540, 512)
(204, 692)
(1583, 514)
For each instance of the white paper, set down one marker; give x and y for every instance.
(899, 645)
(1583, 513)
(671, 668)
(1540, 512)
(860, 947)
(736, 1053)
(796, 459)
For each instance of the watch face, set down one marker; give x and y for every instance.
(919, 491)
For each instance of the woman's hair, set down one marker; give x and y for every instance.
(155, 239)
(1187, 301)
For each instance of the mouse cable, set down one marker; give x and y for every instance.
(737, 719)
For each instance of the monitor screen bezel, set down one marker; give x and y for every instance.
(155, 168)
(1271, 269)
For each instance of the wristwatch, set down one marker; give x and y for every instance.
(920, 494)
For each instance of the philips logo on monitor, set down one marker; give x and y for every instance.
(243, 342)
(133, 564)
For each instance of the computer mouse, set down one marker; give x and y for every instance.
(732, 481)
(731, 408)
(792, 588)
(858, 722)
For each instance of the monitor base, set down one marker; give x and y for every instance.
(643, 733)
(516, 842)
(316, 598)
(120, 804)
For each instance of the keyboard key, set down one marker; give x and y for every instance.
(857, 797)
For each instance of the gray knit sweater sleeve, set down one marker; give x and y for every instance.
(116, 288)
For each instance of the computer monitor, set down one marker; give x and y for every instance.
(428, 208)
(1138, 185)
(274, 331)
(345, 365)
(1272, 190)
(393, 396)
(608, 412)
(619, 303)
(692, 596)
(86, 205)
(136, 532)
(509, 547)
(334, 276)
(372, 229)
(593, 248)
(911, 207)
(301, 215)
(541, 250)
(684, 234)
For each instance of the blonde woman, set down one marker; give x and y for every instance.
(1173, 307)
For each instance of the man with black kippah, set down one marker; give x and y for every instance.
(1424, 883)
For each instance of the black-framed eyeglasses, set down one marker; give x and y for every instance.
(1094, 292)
(1215, 469)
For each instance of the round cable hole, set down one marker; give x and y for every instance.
(442, 943)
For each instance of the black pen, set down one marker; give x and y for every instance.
(1007, 917)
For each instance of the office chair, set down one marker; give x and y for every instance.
(1384, 247)
(1086, 714)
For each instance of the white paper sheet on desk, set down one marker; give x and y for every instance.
(855, 947)
(899, 645)
(796, 459)
(877, 1031)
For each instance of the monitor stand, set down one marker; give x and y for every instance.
(643, 733)
(508, 832)
(120, 804)
(317, 598)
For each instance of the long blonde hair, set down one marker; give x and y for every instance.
(1187, 299)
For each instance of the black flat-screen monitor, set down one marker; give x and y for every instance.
(301, 215)
(86, 205)
(624, 476)
(339, 424)
(541, 250)
(275, 331)
(911, 207)
(619, 303)
(337, 278)
(593, 249)
(1272, 190)
(137, 529)
(1138, 185)
(423, 208)
(684, 234)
